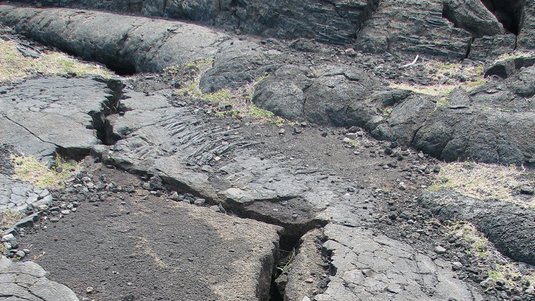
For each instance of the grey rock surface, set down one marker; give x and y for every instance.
(327, 94)
(413, 26)
(18, 196)
(490, 124)
(27, 281)
(42, 116)
(374, 267)
(433, 27)
(302, 197)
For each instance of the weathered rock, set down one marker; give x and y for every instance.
(127, 44)
(70, 127)
(413, 26)
(505, 224)
(526, 37)
(323, 96)
(500, 116)
(507, 67)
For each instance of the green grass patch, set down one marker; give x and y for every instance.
(31, 170)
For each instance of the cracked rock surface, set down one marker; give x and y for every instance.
(21, 281)
(372, 266)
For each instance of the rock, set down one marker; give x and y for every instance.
(456, 266)
(440, 250)
(357, 249)
(486, 283)
(36, 286)
(20, 254)
(528, 190)
(473, 16)
(413, 26)
(505, 224)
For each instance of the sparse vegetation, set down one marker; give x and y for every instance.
(478, 245)
(498, 268)
(31, 170)
(514, 55)
(8, 218)
(482, 181)
(238, 100)
(446, 77)
(15, 66)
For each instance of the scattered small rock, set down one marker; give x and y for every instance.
(528, 190)
(440, 250)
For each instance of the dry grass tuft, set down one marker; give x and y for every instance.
(8, 218)
(482, 181)
(31, 170)
(15, 66)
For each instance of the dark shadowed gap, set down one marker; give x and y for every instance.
(509, 12)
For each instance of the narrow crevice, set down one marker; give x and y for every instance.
(112, 105)
(469, 48)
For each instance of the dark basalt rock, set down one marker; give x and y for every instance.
(473, 16)
(507, 225)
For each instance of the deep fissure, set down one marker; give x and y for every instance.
(112, 105)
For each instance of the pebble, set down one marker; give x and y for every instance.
(282, 131)
(456, 266)
(486, 283)
(440, 249)
(309, 280)
(89, 290)
(20, 254)
(527, 190)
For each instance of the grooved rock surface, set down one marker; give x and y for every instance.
(473, 16)
(413, 26)
(215, 256)
(445, 29)
(26, 281)
(331, 94)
